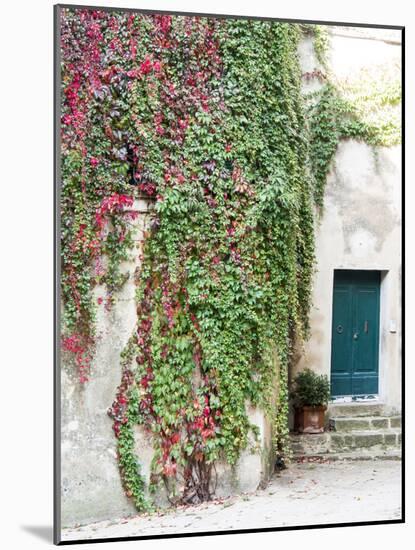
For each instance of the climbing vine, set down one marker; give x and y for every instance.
(333, 117)
(365, 106)
(205, 117)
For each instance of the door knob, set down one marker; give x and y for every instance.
(355, 336)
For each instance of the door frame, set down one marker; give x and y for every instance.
(383, 297)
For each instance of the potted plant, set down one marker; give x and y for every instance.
(311, 393)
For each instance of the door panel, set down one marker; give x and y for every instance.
(355, 333)
(341, 339)
(366, 330)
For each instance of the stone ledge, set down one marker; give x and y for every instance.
(348, 424)
(390, 454)
(334, 443)
(357, 409)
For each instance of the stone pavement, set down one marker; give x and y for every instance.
(305, 494)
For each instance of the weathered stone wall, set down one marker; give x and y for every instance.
(361, 224)
(91, 485)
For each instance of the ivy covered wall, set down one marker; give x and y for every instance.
(361, 224)
(206, 120)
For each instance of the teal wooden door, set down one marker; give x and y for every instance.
(355, 333)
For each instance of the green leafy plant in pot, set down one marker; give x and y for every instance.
(311, 393)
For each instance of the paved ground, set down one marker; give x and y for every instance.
(305, 494)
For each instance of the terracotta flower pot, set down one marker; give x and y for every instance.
(309, 420)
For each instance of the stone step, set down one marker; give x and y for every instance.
(310, 444)
(360, 454)
(357, 409)
(358, 439)
(370, 442)
(349, 424)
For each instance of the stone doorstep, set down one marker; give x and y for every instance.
(360, 454)
(310, 444)
(348, 424)
(378, 454)
(365, 438)
(356, 409)
(358, 442)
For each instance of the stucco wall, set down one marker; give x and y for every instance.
(361, 224)
(91, 488)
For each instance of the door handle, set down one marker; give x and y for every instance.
(366, 329)
(355, 336)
